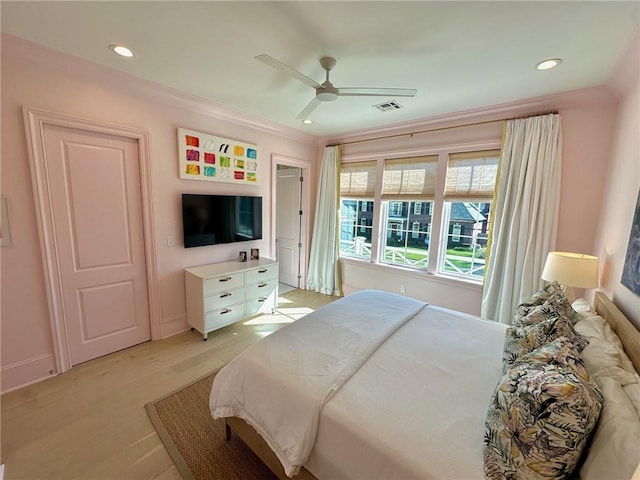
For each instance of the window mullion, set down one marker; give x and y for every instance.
(377, 227)
(437, 216)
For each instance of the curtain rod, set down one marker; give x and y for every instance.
(411, 134)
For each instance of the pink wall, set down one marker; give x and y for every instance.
(623, 184)
(588, 118)
(43, 78)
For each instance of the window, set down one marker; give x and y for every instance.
(363, 221)
(391, 222)
(415, 230)
(357, 189)
(406, 183)
(395, 209)
(469, 189)
(455, 232)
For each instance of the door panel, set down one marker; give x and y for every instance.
(288, 206)
(89, 200)
(117, 301)
(96, 201)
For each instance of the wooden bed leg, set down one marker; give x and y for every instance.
(227, 431)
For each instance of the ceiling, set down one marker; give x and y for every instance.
(459, 55)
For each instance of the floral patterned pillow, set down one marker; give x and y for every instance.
(519, 341)
(561, 352)
(538, 423)
(535, 315)
(553, 299)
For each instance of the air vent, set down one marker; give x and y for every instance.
(388, 106)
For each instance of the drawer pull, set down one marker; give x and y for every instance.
(225, 294)
(226, 310)
(260, 285)
(225, 279)
(264, 270)
(262, 299)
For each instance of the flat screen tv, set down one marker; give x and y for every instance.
(213, 219)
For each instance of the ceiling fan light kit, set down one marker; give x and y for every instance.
(327, 92)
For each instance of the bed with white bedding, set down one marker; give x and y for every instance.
(374, 385)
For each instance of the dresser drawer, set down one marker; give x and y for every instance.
(261, 304)
(261, 289)
(224, 316)
(223, 282)
(262, 274)
(223, 298)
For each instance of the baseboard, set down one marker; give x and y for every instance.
(27, 372)
(174, 325)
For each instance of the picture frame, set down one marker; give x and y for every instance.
(202, 156)
(632, 258)
(255, 254)
(243, 256)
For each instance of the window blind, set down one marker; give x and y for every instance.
(410, 178)
(358, 180)
(471, 175)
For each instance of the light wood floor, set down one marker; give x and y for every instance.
(90, 422)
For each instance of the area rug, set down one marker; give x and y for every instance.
(195, 441)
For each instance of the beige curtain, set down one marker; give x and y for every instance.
(526, 213)
(324, 269)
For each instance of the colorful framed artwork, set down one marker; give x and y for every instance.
(216, 159)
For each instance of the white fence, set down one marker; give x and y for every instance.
(415, 257)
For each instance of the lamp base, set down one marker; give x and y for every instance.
(569, 293)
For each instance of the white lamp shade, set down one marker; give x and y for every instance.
(571, 269)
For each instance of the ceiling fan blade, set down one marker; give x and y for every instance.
(313, 104)
(278, 65)
(377, 92)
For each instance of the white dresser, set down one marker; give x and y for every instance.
(223, 293)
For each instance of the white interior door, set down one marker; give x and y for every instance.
(288, 224)
(96, 203)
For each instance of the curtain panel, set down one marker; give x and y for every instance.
(324, 269)
(526, 213)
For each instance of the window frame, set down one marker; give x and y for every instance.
(435, 228)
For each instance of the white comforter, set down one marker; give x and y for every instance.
(280, 384)
(416, 408)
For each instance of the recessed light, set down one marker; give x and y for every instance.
(307, 121)
(121, 50)
(549, 63)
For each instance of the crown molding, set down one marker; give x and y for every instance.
(25, 51)
(575, 98)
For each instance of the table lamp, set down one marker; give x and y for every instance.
(571, 270)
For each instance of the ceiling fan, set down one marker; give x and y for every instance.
(326, 92)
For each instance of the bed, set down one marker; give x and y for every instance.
(367, 387)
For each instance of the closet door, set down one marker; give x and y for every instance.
(96, 204)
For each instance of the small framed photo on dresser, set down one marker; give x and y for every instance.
(243, 256)
(255, 254)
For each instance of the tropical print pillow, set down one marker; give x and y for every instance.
(540, 296)
(519, 341)
(553, 298)
(538, 423)
(536, 315)
(561, 352)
